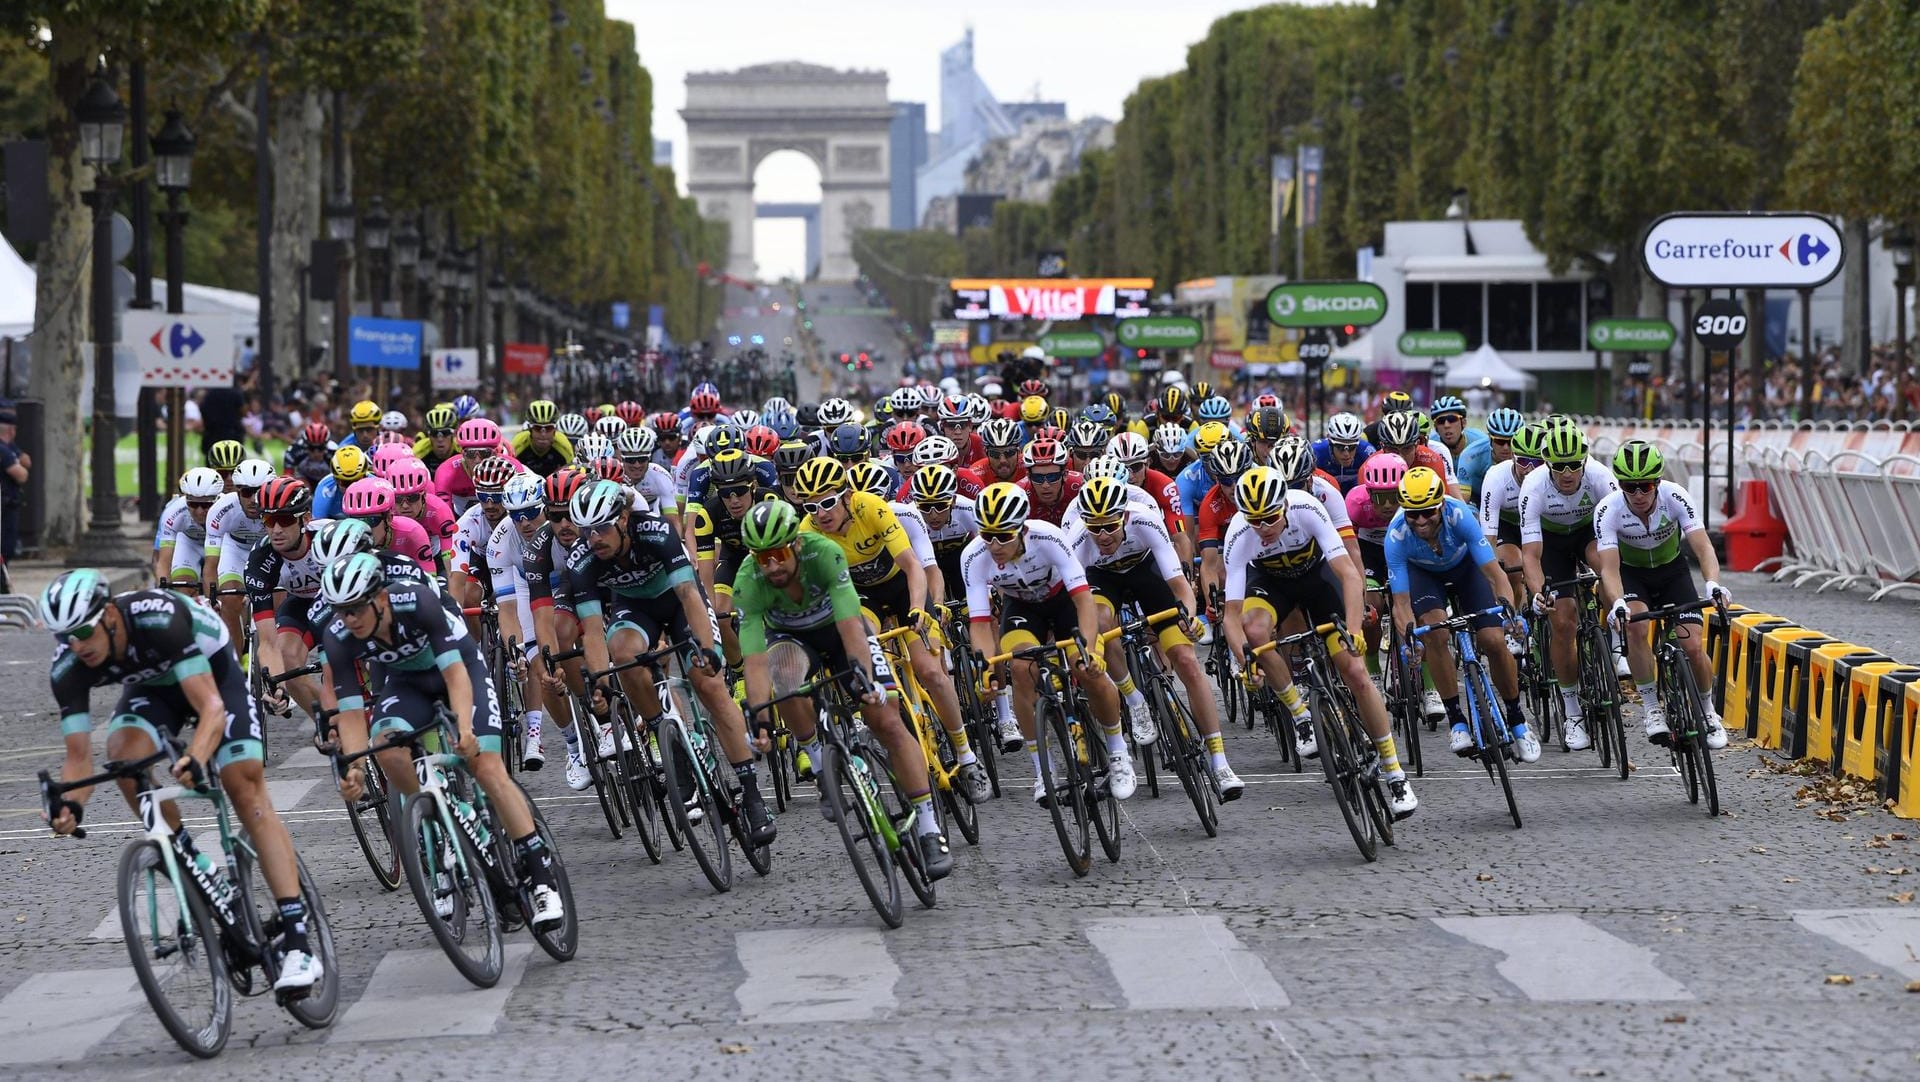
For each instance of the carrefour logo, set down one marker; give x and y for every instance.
(1807, 250)
(1786, 251)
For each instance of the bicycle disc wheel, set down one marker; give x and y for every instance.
(563, 939)
(370, 818)
(315, 1010)
(1494, 739)
(1066, 783)
(1338, 765)
(636, 782)
(470, 935)
(707, 838)
(872, 864)
(1187, 752)
(177, 955)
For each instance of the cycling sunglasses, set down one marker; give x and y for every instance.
(490, 497)
(1421, 512)
(734, 491)
(86, 630)
(525, 514)
(1639, 487)
(936, 507)
(1265, 520)
(1527, 461)
(1568, 467)
(439, 432)
(1103, 528)
(1053, 478)
(999, 537)
(822, 505)
(281, 520)
(542, 428)
(773, 557)
(200, 505)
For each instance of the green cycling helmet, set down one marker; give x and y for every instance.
(769, 525)
(225, 455)
(542, 412)
(1564, 444)
(1638, 460)
(1526, 441)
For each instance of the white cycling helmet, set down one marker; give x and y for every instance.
(834, 411)
(776, 404)
(1108, 466)
(637, 441)
(573, 426)
(592, 447)
(1344, 428)
(74, 598)
(353, 580)
(1128, 447)
(524, 491)
(252, 474)
(393, 421)
(929, 396)
(609, 426)
(1170, 438)
(202, 483)
(339, 538)
(978, 408)
(904, 400)
(935, 451)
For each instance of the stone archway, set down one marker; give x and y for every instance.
(840, 119)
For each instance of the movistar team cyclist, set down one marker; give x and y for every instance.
(1437, 554)
(1556, 537)
(1637, 533)
(797, 587)
(364, 418)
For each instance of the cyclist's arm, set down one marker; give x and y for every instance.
(260, 586)
(1530, 543)
(78, 764)
(1606, 546)
(699, 615)
(1702, 547)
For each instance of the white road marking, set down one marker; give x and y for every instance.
(61, 1015)
(286, 793)
(1559, 957)
(307, 758)
(415, 992)
(1891, 937)
(1213, 970)
(814, 975)
(109, 926)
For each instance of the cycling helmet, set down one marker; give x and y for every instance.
(541, 411)
(1396, 402)
(524, 492)
(1345, 428)
(759, 441)
(1171, 439)
(1421, 489)
(353, 581)
(731, 466)
(1128, 447)
(493, 474)
(955, 409)
(1087, 437)
(466, 407)
(393, 421)
(1382, 471)
(904, 437)
(1215, 408)
(714, 439)
(929, 396)
(792, 455)
(1210, 435)
(1116, 403)
(574, 426)
(561, 487)
(636, 442)
(1099, 413)
(630, 412)
(364, 413)
(478, 432)
(1425, 422)
(441, 418)
(848, 441)
(372, 496)
(252, 474)
(870, 477)
(743, 419)
(935, 483)
(769, 525)
(74, 598)
(978, 408)
(1000, 434)
(410, 478)
(776, 404)
(385, 438)
(1202, 389)
(935, 451)
(317, 434)
(704, 399)
(1059, 418)
(1033, 409)
(592, 448)
(350, 464)
(1001, 506)
(819, 477)
(1109, 467)
(904, 400)
(202, 483)
(882, 409)
(1173, 402)
(604, 409)
(1399, 429)
(1638, 460)
(782, 423)
(1267, 423)
(1044, 452)
(610, 427)
(1504, 422)
(1267, 401)
(611, 469)
(286, 496)
(834, 411)
(1228, 461)
(340, 538)
(1292, 458)
(1047, 432)
(1446, 404)
(597, 504)
(225, 455)
(1565, 444)
(1103, 499)
(1527, 441)
(1260, 491)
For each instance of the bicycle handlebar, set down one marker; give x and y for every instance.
(294, 674)
(1461, 621)
(1670, 611)
(52, 791)
(807, 688)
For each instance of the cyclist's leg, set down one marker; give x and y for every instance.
(230, 574)
(294, 635)
(1557, 564)
(632, 631)
(133, 733)
(241, 762)
(1641, 589)
(184, 569)
(889, 602)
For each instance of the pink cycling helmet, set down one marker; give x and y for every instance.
(368, 497)
(410, 478)
(477, 432)
(1383, 471)
(387, 457)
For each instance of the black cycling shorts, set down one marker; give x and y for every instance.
(1657, 587)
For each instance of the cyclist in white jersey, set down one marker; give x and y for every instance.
(524, 502)
(871, 477)
(650, 479)
(233, 528)
(1638, 532)
(1292, 456)
(474, 531)
(179, 541)
(1556, 537)
(1499, 498)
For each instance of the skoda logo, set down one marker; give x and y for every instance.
(1602, 333)
(1284, 304)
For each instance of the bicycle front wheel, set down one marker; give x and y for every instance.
(1066, 777)
(315, 1010)
(866, 846)
(1341, 768)
(687, 794)
(1691, 731)
(636, 782)
(371, 819)
(469, 932)
(1493, 735)
(1180, 737)
(563, 939)
(176, 953)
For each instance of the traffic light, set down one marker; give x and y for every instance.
(1140, 354)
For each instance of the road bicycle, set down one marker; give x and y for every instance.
(1599, 687)
(1234, 699)
(199, 929)
(1179, 743)
(966, 664)
(1402, 689)
(249, 647)
(463, 869)
(1492, 739)
(1680, 695)
(610, 788)
(1073, 758)
(502, 656)
(917, 710)
(372, 815)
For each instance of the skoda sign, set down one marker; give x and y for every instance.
(1326, 304)
(1746, 251)
(1630, 335)
(1073, 344)
(1158, 332)
(1432, 344)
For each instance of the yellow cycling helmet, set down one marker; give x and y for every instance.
(1102, 500)
(1422, 489)
(1261, 491)
(442, 418)
(1202, 389)
(1208, 436)
(819, 477)
(1001, 506)
(869, 476)
(350, 464)
(364, 413)
(226, 455)
(542, 412)
(1033, 409)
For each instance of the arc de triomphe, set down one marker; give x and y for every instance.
(838, 118)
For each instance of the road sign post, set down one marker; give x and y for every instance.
(1315, 350)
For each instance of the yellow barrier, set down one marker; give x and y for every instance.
(1826, 696)
(1867, 708)
(1743, 656)
(1774, 690)
(1906, 777)
(1796, 675)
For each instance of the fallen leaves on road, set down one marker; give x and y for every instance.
(1791, 879)
(1675, 1019)
(1904, 897)
(735, 1049)
(1495, 1076)
(1913, 986)
(1838, 978)
(1761, 849)
(1483, 877)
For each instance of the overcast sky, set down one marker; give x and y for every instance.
(1088, 53)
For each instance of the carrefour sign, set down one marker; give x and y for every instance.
(1755, 251)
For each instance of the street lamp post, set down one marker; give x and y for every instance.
(1900, 248)
(498, 297)
(340, 220)
(173, 170)
(102, 121)
(1438, 372)
(406, 256)
(377, 227)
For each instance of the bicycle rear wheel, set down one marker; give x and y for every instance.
(637, 781)
(561, 941)
(980, 729)
(899, 810)
(1338, 763)
(1693, 724)
(176, 954)
(959, 811)
(371, 818)
(866, 847)
(470, 934)
(707, 838)
(1067, 782)
(1403, 704)
(587, 729)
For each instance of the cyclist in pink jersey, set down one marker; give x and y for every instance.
(414, 500)
(372, 502)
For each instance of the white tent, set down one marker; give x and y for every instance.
(1485, 368)
(1359, 350)
(16, 293)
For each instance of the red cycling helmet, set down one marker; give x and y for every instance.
(631, 412)
(285, 496)
(610, 469)
(1045, 451)
(703, 400)
(667, 424)
(1048, 432)
(1031, 387)
(316, 434)
(367, 497)
(761, 441)
(561, 486)
(494, 473)
(905, 436)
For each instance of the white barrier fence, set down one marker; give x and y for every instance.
(1849, 493)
